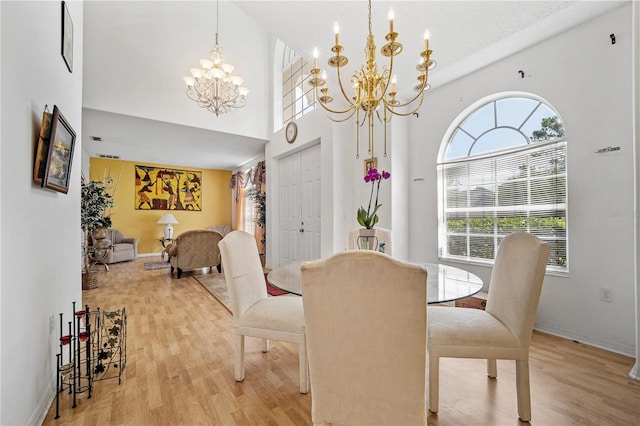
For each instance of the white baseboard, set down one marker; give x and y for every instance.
(43, 405)
(635, 371)
(149, 254)
(618, 348)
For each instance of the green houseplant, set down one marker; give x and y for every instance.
(259, 199)
(95, 202)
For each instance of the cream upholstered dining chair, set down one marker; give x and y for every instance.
(503, 330)
(384, 236)
(366, 336)
(254, 313)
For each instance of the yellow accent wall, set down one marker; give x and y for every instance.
(216, 202)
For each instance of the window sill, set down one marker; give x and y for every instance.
(549, 271)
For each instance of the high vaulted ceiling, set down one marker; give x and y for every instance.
(136, 53)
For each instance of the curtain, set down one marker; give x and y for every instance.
(241, 183)
(237, 184)
(260, 232)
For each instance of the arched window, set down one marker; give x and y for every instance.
(297, 95)
(501, 170)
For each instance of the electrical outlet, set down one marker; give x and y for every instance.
(52, 323)
(606, 295)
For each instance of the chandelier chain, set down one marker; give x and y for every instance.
(370, 26)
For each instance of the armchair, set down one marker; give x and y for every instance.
(195, 249)
(122, 248)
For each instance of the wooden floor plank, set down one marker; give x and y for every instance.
(180, 370)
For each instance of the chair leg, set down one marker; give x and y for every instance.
(265, 345)
(239, 373)
(179, 273)
(303, 362)
(434, 382)
(492, 368)
(523, 390)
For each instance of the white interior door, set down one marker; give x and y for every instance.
(299, 207)
(310, 179)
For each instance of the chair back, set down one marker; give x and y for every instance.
(222, 229)
(516, 283)
(197, 248)
(365, 315)
(242, 271)
(115, 235)
(384, 236)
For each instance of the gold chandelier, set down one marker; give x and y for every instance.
(212, 86)
(372, 93)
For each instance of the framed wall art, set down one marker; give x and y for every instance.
(67, 37)
(167, 189)
(61, 142)
(42, 147)
(370, 163)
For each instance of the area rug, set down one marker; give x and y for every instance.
(150, 266)
(217, 286)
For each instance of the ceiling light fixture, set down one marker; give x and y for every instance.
(373, 93)
(212, 86)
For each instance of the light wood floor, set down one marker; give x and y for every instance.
(180, 370)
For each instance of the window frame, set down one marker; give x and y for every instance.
(296, 101)
(505, 153)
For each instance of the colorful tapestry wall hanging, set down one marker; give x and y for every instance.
(167, 189)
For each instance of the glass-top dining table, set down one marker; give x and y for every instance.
(444, 283)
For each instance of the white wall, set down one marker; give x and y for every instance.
(400, 184)
(39, 249)
(310, 132)
(635, 371)
(588, 80)
(343, 186)
(191, 36)
(1, 120)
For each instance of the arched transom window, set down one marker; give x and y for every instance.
(297, 94)
(504, 170)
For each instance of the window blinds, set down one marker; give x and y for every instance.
(488, 197)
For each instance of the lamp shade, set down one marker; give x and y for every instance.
(167, 220)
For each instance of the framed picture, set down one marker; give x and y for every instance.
(167, 189)
(61, 141)
(370, 163)
(42, 148)
(67, 37)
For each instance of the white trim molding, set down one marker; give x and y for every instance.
(635, 46)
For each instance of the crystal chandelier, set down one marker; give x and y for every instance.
(212, 86)
(371, 93)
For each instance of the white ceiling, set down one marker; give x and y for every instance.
(136, 53)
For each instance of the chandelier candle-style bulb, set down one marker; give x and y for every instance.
(374, 94)
(426, 40)
(212, 86)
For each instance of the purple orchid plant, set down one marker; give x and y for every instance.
(368, 218)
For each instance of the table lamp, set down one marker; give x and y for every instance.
(167, 220)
